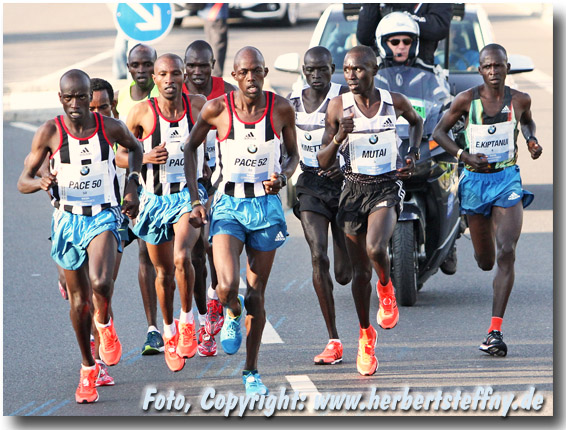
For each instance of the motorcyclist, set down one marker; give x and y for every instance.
(397, 38)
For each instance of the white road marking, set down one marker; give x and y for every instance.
(25, 126)
(269, 334)
(540, 79)
(303, 384)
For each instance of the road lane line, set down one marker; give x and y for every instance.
(303, 384)
(33, 411)
(269, 334)
(24, 126)
(56, 407)
(24, 407)
(540, 79)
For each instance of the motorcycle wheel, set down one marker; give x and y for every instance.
(404, 265)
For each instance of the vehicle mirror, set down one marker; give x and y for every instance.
(288, 63)
(520, 64)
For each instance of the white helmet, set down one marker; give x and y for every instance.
(393, 24)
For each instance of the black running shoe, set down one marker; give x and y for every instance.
(494, 345)
(451, 263)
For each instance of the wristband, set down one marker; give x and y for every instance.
(459, 154)
(134, 176)
(196, 203)
(335, 142)
(532, 138)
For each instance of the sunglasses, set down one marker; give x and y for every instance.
(396, 42)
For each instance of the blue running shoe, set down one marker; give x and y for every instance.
(154, 344)
(231, 333)
(253, 384)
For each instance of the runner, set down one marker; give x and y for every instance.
(318, 191)
(85, 238)
(361, 125)
(163, 223)
(251, 125)
(199, 63)
(141, 61)
(490, 186)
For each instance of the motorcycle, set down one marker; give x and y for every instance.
(429, 223)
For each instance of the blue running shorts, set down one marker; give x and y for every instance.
(158, 214)
(72, 233)
(259, 222)
(479, 192)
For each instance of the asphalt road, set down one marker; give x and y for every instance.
(434, 346)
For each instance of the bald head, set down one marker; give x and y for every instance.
(74, 78)
(492, 47)
(318, 53)
(142, 49)
(248, 52)
(364, 54)
(169, 58)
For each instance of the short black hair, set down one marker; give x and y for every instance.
(199, 45)
(97, 84)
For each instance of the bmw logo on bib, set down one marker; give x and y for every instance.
(491, 129)
(308, 137)
(85, 170)
(182, 147)
(252, 149)
(373, 139)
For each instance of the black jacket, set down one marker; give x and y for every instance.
(433, 19)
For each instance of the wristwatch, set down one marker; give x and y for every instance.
(283, 179)
(134, 176)
(416, 151)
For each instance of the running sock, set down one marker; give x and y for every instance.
(211, 293)
(153, 328)
(100, 325)
(169, 330)
(384, 289)
(496, 323)
(335, 340)
(186, 317)
(201, 319)
(249, 372)
(88, 367)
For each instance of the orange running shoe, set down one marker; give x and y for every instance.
(332, 354)
(187, 345)
(388, 314)
(110, 349)
(86, 391)
(173, 360)
(367, 362)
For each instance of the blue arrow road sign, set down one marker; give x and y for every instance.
(144, 22)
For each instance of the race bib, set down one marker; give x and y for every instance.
(87, 185)
(310, 142)
(253, 165)
(173, 170)
(373, 153)
(496, 141)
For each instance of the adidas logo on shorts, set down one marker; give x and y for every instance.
(279, 237)
(513, 196)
